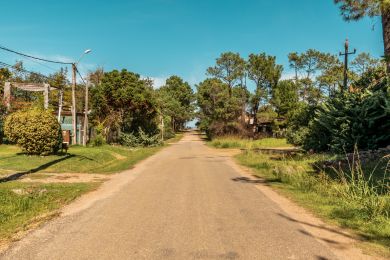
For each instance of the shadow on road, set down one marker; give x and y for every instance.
(254, 181)
(18, 175)
(315, 226)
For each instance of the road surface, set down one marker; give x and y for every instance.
(183, 203)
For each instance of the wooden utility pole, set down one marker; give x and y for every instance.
(346, 54)
(46, 91)
(162, 127)
(7, 95)
(60, 101)
(85, 130)
(74, 115)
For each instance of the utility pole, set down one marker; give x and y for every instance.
(74, 119)
(60, 101)
(346, 54)
(162, 127)
(85, 130)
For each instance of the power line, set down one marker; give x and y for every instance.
(23, 70)
(78, 72)
(26, 71)
(40, 63)
(36, 58)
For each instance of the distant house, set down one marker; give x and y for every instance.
(266, 127)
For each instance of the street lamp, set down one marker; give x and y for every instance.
(74, 114)
(83, 54)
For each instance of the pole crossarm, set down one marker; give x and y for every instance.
(346, 54)
(33, 87)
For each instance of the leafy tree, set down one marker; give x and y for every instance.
(229, 68)
(95, 77)
(353, 10)
(317, 73)
(124, 102)
(285, 97)
(332, 78)
(364, 62)
(178, 98)
(265, 73)
(218, 111)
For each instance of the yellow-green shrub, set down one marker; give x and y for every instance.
(36, 131)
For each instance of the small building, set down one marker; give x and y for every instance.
(67, 129)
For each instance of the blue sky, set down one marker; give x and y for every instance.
(159, 38)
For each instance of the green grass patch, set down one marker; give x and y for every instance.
(22, 204)
(235, 142)
(360, 205)
(102, 159)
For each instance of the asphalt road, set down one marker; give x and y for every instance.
(185, 203)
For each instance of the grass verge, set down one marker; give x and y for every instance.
(102, 159)
(23, 205)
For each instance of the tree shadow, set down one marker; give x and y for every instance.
(318, 226)
(18, 175)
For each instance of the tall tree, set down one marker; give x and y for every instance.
(285, 97)
(310, 69)
(181, 101)
(364, 62)
(218, 113)
(229, 68)
(265, 73)
(353, 10)
(123, 101)
(96, 76)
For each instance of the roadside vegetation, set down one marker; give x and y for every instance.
(236, 142)
(25, 205)
(355, 195)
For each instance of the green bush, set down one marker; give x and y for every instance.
(36, 131)
(296, 136)
(99, 139)
(128, 139)
(139, 139)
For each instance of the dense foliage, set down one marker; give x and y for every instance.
(349, 119)
(312, 109)
(36, 131)
(176, 100)
(124, 102)
(126, 106)
(139, 139)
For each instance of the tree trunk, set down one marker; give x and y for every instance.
(386, 35)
